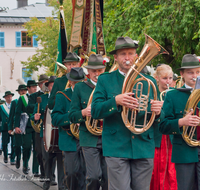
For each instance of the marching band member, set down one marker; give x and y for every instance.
(71, 60)
(48, 158)
(4, 115)
(28, 135)
(164, 174)
(22, 89)
(129, 157)
(30, 108)
(186, 158)
(73, 157)
(96, 169)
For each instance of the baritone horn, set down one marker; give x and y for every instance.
(131, 84)
(74, 127)
(189, 131)
(95, 126)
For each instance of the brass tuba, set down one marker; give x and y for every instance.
(188, 132)
(149, 51)
(95, 126)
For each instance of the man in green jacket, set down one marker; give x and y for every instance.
(32, 100)
(129, 157)
(22, 89)
(96, 169)
(23, 126)
(67, 143)
(4, 115)
(71, 60)
(185, 157)
(48, 163)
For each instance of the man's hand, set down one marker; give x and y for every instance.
(86, 112)
(17, 130)
(9, 132)
(37, 116)
(189, 120)
(127, 100)
(156, 106)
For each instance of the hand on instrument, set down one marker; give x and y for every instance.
(156, 106)
(189, 120)
(87, 111)
(37, 116)
(17, 130)
(9, 132)
(127, 100)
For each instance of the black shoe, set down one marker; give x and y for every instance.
(42, 178)
(25, 170)
(36, 174)
(5, 160)
(53, 183)
(0, 151)
(46, 185)
(18, 164)
(12, 162)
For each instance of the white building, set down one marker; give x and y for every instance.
(15, 45)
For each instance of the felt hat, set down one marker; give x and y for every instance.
(76, 74)
(189, 61)
(124, 43)
(95, 62)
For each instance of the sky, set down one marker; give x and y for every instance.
(12, 4)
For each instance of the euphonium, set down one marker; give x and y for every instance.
(179, 82)
(188, 132)
(149, 51)
(95, 126)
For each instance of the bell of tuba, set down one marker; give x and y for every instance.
(95, 126)
(131, 84)
(189, 132)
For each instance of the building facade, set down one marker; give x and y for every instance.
(15, 45)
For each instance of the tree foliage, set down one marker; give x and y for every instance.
(47, 32)
(174, 24)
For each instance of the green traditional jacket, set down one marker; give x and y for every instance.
(4, 115)
(117, 140)
(66, 141)
(80, 99)
(59, 85)
(173, 107)
(21, 108)
(32, 100)
(11, 115)
(43, 104)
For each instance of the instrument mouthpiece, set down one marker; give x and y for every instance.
(194, 79)
(128, 62)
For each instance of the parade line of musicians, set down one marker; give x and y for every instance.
(158, 159)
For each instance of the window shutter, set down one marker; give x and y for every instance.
(18, 39)
(2, 39)
(35, 42)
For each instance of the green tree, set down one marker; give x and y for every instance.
(47, 32)
(174, 24)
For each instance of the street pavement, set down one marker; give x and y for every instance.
(14, 179)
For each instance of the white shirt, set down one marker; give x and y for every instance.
(122, 73)
(8, 105)
(93, 82)
(186, 86)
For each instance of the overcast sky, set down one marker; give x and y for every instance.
(12, 4)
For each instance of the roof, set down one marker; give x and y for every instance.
(23, 14)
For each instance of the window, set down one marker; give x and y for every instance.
(23, 40)
(24, 76)
(2, 39)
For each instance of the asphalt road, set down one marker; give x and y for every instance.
(14, 179)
